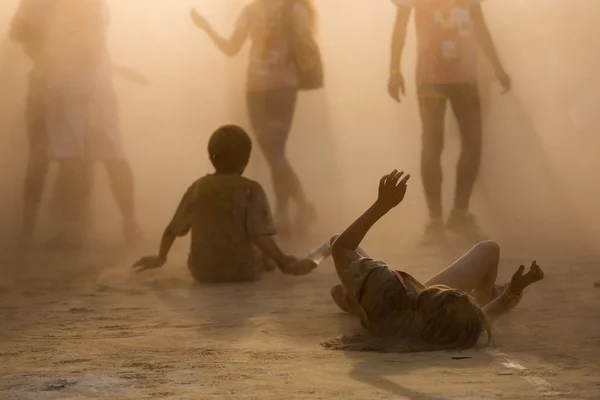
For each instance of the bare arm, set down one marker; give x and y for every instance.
(229, 46)
(504, 303)
(513, 293)
(166, 242)
(391, 193)
(399, 38)
(267, 244)
(351, 238)
(179, 226)
(396, 85)
(484, 37)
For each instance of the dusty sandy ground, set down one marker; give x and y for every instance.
(86, 327)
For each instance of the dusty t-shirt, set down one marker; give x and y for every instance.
(269, 67)
(372, 283)
(446, 43)
(224, 213)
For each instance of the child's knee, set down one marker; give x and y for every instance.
(490, 247)
(338, 292)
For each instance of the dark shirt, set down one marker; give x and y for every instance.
(224, 213)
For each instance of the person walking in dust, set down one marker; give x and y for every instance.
(448, 32)
(72, 113)
(277, 29)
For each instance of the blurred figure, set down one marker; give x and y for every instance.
(72, 113)
(230, 220)
(272, 89)
(448, 32)
(28, 29)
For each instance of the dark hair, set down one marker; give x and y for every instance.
(229, 149)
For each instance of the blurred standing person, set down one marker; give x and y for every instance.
(448, 32)
(278, 30)
(75, 113)
(27, 28)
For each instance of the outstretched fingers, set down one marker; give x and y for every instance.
(535, 273)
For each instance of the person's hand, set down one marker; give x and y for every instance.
(299, 267)
(504, 80)
(392, 189)
(148, 262)
(199, 20)
(520, 281)
(396, 85)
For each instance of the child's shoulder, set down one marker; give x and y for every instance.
(251, 182)
(225, 181)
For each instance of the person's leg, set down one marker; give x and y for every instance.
(37, 165)
(104, 142)
(475, 272)
(271, 114)
(466, 105)
(70, 193)
(432, 108)
(120, 176)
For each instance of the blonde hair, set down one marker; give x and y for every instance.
(439, 318)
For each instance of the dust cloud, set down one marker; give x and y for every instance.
(537, 188)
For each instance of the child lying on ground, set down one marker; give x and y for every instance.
(230, 220)
(449, 312)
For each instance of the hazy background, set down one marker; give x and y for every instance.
(538, 186)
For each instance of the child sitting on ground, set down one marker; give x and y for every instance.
(230, 220)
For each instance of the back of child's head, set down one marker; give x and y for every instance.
(448, 318)
(229, 149)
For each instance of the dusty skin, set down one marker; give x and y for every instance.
(90, 328)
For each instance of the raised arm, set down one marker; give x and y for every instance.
(391, 192)
(229, 46)
(396, 78)
(484, 38)
(511, 297)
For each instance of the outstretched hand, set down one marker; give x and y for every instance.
(148, 262)
(392, 189)
(520, 281)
